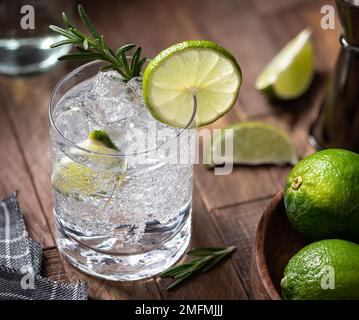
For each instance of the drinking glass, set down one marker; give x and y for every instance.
(121, 215)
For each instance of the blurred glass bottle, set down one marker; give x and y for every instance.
(337, 125)
(25, 37)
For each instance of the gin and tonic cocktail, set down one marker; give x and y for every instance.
(122, 213)
(123, 149)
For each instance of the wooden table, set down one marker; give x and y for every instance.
(226, 208)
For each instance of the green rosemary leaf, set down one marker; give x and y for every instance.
(207, 259)
(124, 75)
(173, 270)
(215, 261)
(101, 42)
(139, 67)
(81, 56)
(125, 62)
(125, 48)
(78, 34)
(212, 263)
(177, 282)
(94, 48)
(61, 43)
(85, 19)
(85, 44)
(66, 20)
(63, 32)
(135, 58)
(204, 251)
(188, 270)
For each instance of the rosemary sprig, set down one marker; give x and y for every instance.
(94, 48)
(207, 259)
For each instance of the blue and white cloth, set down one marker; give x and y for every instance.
(20, 262)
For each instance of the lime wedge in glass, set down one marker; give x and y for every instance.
(97, 176)
(254, 143)
(290, 73)
(200, 68)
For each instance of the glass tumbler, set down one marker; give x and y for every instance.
(119, 215)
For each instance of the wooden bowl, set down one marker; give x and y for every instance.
(276, 242)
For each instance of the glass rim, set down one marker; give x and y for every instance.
(116, 154)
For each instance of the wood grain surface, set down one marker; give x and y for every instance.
(226, 209)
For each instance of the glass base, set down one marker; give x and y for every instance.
(124, 267)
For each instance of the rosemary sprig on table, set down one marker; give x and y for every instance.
(94, 48)
(207, 259)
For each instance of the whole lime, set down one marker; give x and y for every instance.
(322, 195)
(324, 270)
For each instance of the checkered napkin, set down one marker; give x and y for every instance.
(20, 262)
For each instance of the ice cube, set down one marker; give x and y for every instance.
(133, 91)
(71, 121)
(112, 97)
(109, 83)
(95, 113)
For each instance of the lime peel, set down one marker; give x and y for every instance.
(297, 183)
(97, 176)
(101, 137)
(290, 73)
(254, 143)
(202, 68)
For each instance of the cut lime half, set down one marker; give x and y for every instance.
(290, 73)
(97, 176)
(200, 68)
(254, 143)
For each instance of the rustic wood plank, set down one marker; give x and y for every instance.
(265, 8)
(238, 225)
(52, 267)
(14, 175)
(244, 184)
(220, 283)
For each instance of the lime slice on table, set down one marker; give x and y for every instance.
(97, 176)
(290, 73)
(254, 143)
(200, 68)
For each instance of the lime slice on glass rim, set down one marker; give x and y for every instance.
(291, 72)
(200, 68)
(99, 174)
(254, 143)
